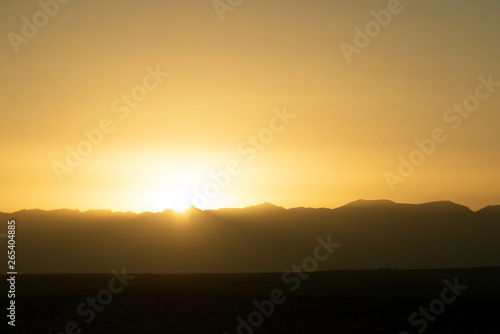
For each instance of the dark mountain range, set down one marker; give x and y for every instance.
(262, 238)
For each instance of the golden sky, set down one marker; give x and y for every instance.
(222, 104)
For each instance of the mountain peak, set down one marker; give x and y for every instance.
(449, 205)
(264, 206)
(490, 209)
(363, 203)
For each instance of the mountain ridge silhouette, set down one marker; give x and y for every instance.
(266, 206)
(265, 238)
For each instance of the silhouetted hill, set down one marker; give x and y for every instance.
(255, 209)
(362, 203)
(263, 238)
(446, 205)
(439, 206)
(490, 210)
(263, 207)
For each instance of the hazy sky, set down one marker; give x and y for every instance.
(227, 82)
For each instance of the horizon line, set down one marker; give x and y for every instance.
(251, 206)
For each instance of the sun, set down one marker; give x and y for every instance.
(174, 183)
(170, 188)
(181, 208)
(164, 198)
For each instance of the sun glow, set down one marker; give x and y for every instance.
(159, 200)
(171, 187)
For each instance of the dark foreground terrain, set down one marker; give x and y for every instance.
(379, 301)
(264, 238)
